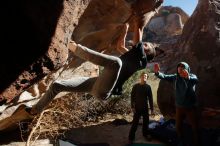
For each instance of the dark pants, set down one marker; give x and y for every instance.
(135, 122)
(190, 114)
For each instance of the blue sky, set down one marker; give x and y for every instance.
(187, 5)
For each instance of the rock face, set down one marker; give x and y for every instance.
(44, 29)
(199, 45)
(174, 24)
(157, 25)
(166, 10)
(35, 35)
(168, 22)
(100, 25)
(164, 29)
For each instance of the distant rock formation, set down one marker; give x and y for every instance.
(167, 23)
(163, 30)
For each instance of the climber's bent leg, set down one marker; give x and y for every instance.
(107, 79)
(77, 84)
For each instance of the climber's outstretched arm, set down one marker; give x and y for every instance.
(91, 55)
(122, 38)
(138, 30)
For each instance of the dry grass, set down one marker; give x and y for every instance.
(77, 110)
(71, 111)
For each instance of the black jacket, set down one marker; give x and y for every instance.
(132, 61)
(141, 94)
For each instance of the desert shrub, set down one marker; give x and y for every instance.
(76, 110)
(127, 87)
(71, 111)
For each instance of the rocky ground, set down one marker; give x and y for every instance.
(108, 131)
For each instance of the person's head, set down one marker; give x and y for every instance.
(143, 77)
(181, 67)
(151, 51)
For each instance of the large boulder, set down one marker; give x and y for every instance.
(166, 10)
(35, 37)
(157, 25)
(199, 45)
(100, 25)
(168, 22)
(174, 24)
(44, 29)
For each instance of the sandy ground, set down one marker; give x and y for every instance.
(111, 133)
(107, 133)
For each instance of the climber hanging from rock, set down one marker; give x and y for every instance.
(116, 71)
